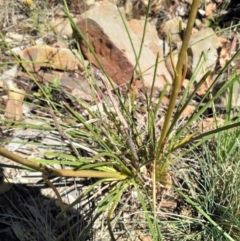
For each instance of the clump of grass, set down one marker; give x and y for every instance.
(213, 184)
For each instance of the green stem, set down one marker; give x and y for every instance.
(59, 172)
(179, 75)
(180, 71)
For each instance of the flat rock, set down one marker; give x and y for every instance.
(152, 41)
(105, 31)
(62, 26)
(33, 58)
(172, 27)
(205, 41)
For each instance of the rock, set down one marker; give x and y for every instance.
(103, 27)
(61, 25)
(205, 41)
(7, 78)
(152, 41)
(78, 84)
(35, 57)
(111, 58)
(13, 110)
(172, 27)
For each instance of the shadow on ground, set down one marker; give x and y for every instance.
(27, 215)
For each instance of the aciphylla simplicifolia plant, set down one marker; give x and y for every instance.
(118, 151)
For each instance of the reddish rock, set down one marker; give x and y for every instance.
(103, 26)
(114, 60)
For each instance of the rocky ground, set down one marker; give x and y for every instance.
(39, 43)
